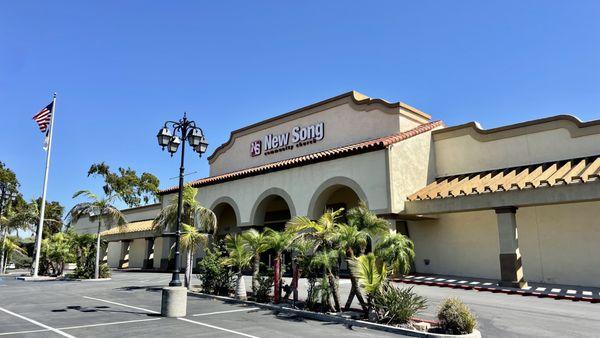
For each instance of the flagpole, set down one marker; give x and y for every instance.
(40, 228)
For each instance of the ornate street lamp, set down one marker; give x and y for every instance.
(182, 131)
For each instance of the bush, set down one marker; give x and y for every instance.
(215, 278)
(455, 317)
(22, 262)
(397, 306)
(265, 285)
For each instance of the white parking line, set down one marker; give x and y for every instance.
(80, 326)
(571, 292)
(540, 289)
(38, 323)
(586, 293)
(555, 290)
(184, 319)
(230, 311)
(217, 328)
(115, 303)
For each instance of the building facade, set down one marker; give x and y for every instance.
(516, 203)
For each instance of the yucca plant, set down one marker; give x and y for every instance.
(239, 258)
(397, 305)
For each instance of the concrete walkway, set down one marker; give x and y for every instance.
(556, 291)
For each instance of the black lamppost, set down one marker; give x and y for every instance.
(182, 130)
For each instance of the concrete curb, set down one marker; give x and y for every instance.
(507, 291)
(324, 317)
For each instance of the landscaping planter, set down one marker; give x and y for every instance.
(335, 318)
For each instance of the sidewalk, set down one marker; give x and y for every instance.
(556, 291)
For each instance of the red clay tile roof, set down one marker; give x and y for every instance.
(325, 155)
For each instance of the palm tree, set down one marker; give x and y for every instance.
(371, 274)
(103, 209)
(239, 258)
(10, 247)
(350, 239)
(326, 260)
(366, 220)
(323, 232)
(397, 251)
(257, 243)
(279, 241)
(197, 222)
(301, 250)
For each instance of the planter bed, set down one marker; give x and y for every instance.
(336, 318)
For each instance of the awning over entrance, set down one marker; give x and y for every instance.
(563, 181)
(130, 230)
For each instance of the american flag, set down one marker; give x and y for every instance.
(43, 117)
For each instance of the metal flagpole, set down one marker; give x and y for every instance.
(40, 228)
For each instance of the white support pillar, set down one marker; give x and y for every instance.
(511, 267)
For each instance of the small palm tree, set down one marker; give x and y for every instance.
(371, 275)
(397, 251)
(279, 241)
(301, 250)
(323, 230)
(103, 209)
(197, 222)
(257, 243)
(10, 247)
(239, 258)
(350, 239)
(365, 220)
(326, 260)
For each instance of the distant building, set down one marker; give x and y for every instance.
(516, 203)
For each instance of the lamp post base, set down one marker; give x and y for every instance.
(174, 302)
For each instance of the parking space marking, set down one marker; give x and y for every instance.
(229, 311)
(57, 331)
(120, 304)
(111, 323)
(217, 328)
(80, 326)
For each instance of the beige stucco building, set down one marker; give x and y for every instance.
(516, 203)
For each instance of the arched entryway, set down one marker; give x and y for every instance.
(227, 216)
(273, 209)
(335, 193)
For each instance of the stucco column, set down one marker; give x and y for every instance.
(149, 254)
(511, 268)
(124, 258)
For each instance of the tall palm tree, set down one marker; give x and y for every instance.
(197, 223)
(103, 209)
(239, 258)
(397, 251)
(257, 243)
(371, 274)
(279, 241)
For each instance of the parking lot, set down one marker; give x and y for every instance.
(130, 305)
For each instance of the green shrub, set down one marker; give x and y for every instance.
(215, 278)
(397, 305)
(21, 261)
(455, 317)
(265, 286)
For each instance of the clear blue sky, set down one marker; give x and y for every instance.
(123, 67)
